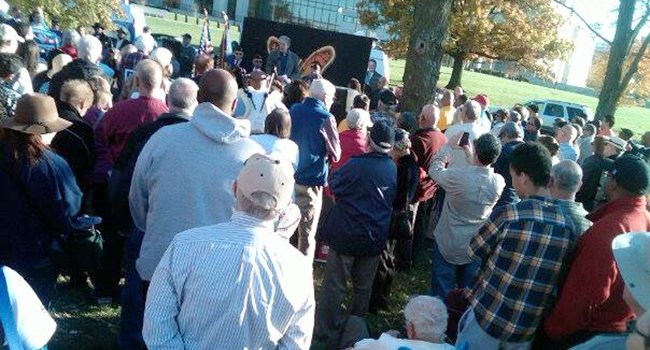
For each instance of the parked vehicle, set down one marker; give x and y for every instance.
(550, 110)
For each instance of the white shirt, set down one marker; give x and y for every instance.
(234, 285)
(457, 157)
(284, 148)
(388, 342)
(34, 324)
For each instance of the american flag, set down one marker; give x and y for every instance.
(205, 42)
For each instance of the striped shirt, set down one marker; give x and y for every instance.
(235, 285)
(523, 248)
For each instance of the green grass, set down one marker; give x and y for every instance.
(83, 325)
(505, 93)
(167, 25)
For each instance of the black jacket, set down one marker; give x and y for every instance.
(75, 144)
(77, 69)
(120, 180)
(592, 170)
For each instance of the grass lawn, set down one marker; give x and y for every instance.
(83, 325)
(167, 25)
(505, 93)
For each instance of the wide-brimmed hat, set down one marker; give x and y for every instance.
(631, 251)
(35, 114)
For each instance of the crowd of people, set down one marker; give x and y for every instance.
(211, 192)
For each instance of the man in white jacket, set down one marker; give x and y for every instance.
(184, 176)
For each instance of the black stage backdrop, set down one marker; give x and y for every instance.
(352, 51)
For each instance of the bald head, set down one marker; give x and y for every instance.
(218, 87)
(149, 76)
(182, 95)
(429, 116)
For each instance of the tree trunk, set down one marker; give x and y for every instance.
(456, 72)
(422, 70)
(611, 90)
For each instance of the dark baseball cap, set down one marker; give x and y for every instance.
(383, 135)
(632, 173)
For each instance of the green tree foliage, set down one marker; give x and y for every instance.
(73, 13)
(523, 31)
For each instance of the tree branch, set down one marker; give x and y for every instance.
(634, 66)
(639, 26)
(486, 55)
(584, 21)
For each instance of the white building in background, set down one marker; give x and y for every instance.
(574, 70)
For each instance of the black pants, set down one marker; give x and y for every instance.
(110, 271)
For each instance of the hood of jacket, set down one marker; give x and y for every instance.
(218, 126)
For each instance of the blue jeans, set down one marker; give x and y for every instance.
(472, 337)
(446, 276)
(132, 298)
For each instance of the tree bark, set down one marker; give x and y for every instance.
(612, 84)
(422, 70)
(456, 72)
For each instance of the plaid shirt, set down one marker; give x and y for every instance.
(523, 248)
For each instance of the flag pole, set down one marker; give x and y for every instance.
(224, 40)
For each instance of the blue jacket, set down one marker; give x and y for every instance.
(307, 119)
(364, 189)
(27, 230)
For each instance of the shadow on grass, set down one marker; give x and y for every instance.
(84, 325)
(81, 323)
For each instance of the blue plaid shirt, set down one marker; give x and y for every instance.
(523, 248)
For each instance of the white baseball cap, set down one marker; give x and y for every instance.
(632, 254)
(264, 173)
(8, 33)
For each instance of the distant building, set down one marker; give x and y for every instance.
(335, 15)
(575, 69)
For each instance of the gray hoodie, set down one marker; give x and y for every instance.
(183, 179)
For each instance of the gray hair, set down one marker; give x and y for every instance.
(321, 87)
(589, 129)
(428, 316)
(402, 140)
(164, 57)
(358, 118)
(567, 176)
(247, 206)
(472, 110)
(70, 37)
(182, 94)
(145, 43)
(90, 48)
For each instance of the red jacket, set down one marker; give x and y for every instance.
(591, 298)
(125, 116)
(425, 144)
(353, 143)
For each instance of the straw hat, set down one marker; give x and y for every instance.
(35, 114)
